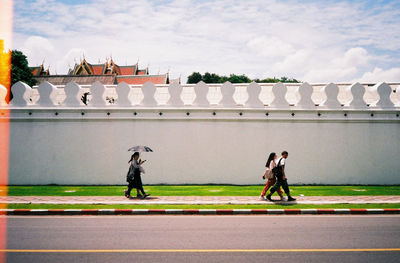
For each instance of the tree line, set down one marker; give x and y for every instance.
(207, 77)
(21, 72)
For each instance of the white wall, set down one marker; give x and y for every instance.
(201, 151)
(227, 141)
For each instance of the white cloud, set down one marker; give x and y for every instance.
(337, 67)
(311, 41)
(353, 57)
(299, 60)
(38, 49)
(270, 47)
(380, 75)
(68, 61)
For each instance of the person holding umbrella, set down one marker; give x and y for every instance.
(134, 174)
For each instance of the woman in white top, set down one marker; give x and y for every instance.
(269, 175)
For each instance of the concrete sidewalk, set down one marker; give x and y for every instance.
(196, 200)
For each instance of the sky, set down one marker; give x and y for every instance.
(310, 40)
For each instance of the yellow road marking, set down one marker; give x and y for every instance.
(197, 250)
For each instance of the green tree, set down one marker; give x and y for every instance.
(275, 80)
(238, 79)
(211, 78)
(289, 80)
(194, 78)
(20, 70)
(267, 80)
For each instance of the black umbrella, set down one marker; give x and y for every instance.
(140, 148)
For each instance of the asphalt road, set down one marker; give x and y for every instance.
(203, 238)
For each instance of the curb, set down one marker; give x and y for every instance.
(68, 212)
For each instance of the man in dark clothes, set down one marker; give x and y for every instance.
(281, 178)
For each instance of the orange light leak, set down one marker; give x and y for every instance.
(6, 21)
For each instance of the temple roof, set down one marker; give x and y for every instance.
(39, 71)
(141, 79)
(107, 68)
(98, 69)
(107, 73)
(128, 70)
(143, 71)
(82, 79)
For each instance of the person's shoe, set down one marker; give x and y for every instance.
(282, 198)
(291, 198)
(145, 195)
(126, 193)
(139, 196)
(269, 198)
(262, 198)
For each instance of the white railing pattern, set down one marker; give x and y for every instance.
(202, 95)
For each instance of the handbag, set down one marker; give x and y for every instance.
(268, 174)
(131, 174)
(265, 174)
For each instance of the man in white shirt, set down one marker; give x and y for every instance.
(281, 178)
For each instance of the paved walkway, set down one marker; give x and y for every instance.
(198, 200)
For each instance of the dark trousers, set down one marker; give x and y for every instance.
(131, 185)
(281, 183)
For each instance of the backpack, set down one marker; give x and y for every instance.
(277, 170)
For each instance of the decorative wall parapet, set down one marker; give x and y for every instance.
(305, 101)
(201, 89)
(89, 127)
(21, 94)
(384, 91)
(3, 94)
(357, 100)
(72, 92)
(253, 91)
(267, 96)
(279, 91)
(331, 102)
(228, 90)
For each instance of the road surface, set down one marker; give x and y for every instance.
(204, 238)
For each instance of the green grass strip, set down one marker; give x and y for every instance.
(299, 206)
(200, 190)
